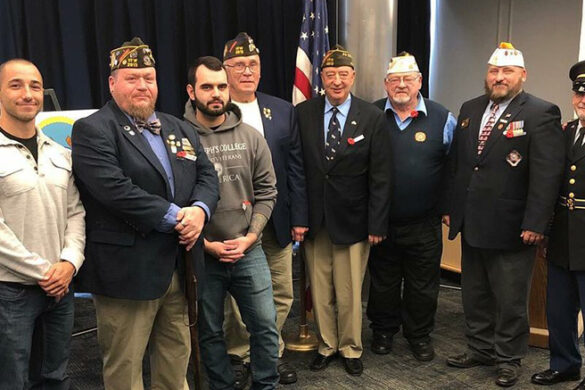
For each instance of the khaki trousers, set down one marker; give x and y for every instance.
(280, 264)
(126, 327)
(336, 274)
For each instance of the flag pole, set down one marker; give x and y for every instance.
(305, 340)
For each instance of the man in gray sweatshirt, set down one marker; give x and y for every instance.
(234, 259)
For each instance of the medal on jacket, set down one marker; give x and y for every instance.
(171, 141)
(420, 136)
(514, 158)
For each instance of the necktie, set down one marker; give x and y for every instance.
(152, 126)
(579, 142)
(487, 128)
(333, 136)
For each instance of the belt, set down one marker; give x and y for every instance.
(572, 203)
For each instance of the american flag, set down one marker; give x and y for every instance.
(313, 44)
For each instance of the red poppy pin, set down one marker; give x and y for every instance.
(351, 141)
(181, 154)
(413, 113)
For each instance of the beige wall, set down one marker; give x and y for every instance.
(467, 31)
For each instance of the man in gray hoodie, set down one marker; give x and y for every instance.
(234, 259)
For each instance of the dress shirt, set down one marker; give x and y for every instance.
(421, 107)
(169, 220)
(343, 111)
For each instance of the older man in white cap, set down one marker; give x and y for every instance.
(420, 132)
(507, 161)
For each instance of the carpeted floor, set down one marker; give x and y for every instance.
(398, 370)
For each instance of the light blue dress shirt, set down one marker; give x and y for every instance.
(169, 220)
(341, 115)
(448, 129)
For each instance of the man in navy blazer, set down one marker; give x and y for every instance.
(276, 120)
(506, 165)
(346, 151)
(148, 189)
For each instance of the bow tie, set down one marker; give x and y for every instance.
(153, 126)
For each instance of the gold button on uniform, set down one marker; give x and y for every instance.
(571, 195)
(572, 181)
(573, 168)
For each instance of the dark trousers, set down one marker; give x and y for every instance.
(495, 285)
(411, 255)
(565, 297)
(35, 338)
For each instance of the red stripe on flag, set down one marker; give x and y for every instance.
(302, 83)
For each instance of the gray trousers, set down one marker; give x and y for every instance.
(495, 289)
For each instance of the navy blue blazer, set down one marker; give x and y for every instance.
(282, 135)
(513, 185)
(126, 193)
(350, 197)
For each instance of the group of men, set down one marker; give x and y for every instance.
(144, 196)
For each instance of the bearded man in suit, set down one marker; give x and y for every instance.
(506, 161)
(148, 189)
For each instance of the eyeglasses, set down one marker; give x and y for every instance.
(397, 80)
(240, 67)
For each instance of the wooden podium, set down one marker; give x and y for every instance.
(451, 261)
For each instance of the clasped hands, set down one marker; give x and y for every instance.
(230, 251)
(57, 279)
(190, 221)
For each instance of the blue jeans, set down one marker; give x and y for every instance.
(35, 332)
(249, 282)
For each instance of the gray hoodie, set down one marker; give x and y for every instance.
(247, 183)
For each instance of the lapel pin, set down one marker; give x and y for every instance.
(465, 123)
(500, 126)
(353, 122)
(420, 136)
(267, 113)
(129, 130)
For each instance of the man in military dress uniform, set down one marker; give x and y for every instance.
(566, 252)
(507, 162)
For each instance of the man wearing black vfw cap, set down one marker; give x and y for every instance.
(566, 252)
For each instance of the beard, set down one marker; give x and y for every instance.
(204, 108)
(498, 97)
(142, 112)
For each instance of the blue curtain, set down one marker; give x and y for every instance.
(70, 40)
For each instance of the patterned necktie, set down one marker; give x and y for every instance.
(333, 136)
(152, 126)
(487, 128)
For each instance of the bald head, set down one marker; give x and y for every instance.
(21, 95)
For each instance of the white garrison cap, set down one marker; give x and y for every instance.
(507, 55)
(403, 63)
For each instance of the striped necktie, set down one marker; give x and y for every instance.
(487, 128)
